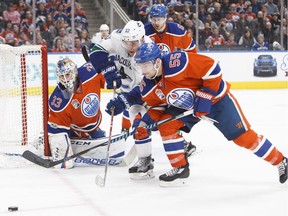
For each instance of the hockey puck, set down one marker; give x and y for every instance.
(12, 208)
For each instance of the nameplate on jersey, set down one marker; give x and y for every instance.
(182, 98)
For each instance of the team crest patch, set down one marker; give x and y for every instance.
(75, 103)
(164, 48)
(182, 98)
(160, 94)
(90, 105)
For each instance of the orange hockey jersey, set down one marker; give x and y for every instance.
(79, 111)
(174, 37)
(184, 74)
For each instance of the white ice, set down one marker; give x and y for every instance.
(225, 180)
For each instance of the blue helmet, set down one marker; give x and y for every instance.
(147, 52)
(158, 10)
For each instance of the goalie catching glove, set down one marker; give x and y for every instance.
(111, 73)
(203, 101)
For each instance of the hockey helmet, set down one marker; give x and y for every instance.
(158, 10)
(131, 35)
(66, 71)
(104, 27)
(147, 52)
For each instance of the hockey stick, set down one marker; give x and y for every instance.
(85, 54)
(99, 180)
(48, 163)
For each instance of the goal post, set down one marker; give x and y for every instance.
(23, 97)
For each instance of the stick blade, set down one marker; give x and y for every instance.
(28, 155)
(100, 181)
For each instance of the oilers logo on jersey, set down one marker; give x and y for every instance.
(90, 105)
(164, 48)
(182, 98)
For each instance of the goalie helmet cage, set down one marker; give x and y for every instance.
(23, 97)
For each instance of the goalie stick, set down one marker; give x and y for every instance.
(49, 163)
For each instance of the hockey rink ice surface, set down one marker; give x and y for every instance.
(224, 179)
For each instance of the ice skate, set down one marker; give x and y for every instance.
(175, 177)
(283, 170)
(143, 169)
(189, 148)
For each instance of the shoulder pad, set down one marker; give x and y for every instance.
(147, 39)
(86, 72)
(174, 63)
(146, 85)
(149, 29)
(116, 34)
(175, 29)
(57, 102)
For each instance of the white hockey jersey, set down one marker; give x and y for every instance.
(130, 73)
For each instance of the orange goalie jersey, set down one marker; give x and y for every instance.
(78, 111)
(173, 38)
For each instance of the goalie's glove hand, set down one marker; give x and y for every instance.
(111, 74)
(119, 104)
(203, 101)
(139, 126)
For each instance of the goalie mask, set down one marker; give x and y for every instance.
(66, 72)
(131, 36)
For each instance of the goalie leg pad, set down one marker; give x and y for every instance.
(60, 146)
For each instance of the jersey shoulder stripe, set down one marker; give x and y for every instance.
(175, 29)
(57, 101)
(174, 63)
(213, 72)
(146, 86)
(149, 30)
(86, 72)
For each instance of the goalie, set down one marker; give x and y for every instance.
(74, 111)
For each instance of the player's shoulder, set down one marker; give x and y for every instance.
(149, 30)
(116, 34)
(174, 62)
(146, 85)
(57, 101)
(108, 43)
(86, 72)
(175, 29)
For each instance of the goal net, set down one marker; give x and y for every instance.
(23, 98)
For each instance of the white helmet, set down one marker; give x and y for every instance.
(133, 31)
(104, 27)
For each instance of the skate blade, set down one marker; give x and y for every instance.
(175, 183)
(191, 152)
(142, 176)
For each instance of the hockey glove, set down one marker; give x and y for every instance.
(203, 101)
(111, 74)
(119, 103)
(139, 126)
